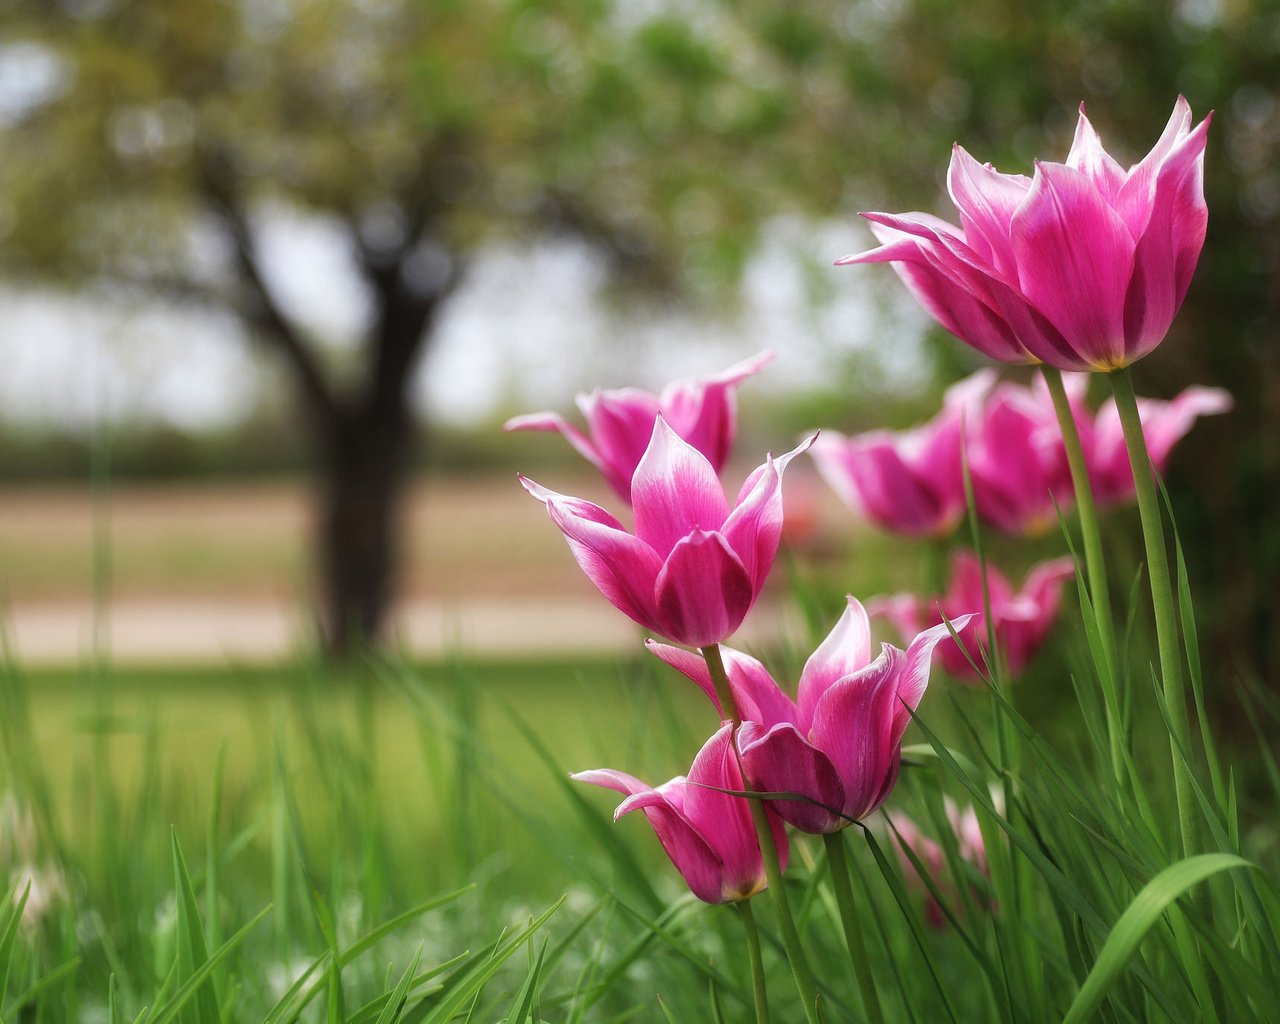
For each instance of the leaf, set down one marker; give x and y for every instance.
(1132, 927)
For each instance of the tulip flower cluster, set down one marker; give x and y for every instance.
(1081, 267)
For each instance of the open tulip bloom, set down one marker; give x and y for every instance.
(694, 566)
(701, 410)
(838, 744)
(1082, 266)
(1022, 618)
(708, 834)
(1164, 424)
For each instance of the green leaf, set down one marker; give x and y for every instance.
(1132, 927)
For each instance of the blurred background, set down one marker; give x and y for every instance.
(273, 273)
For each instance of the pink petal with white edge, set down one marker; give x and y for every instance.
(1167, 253)
(754, 528)
(1134, 202)
(781, 760)
(700, 865)
(844, 651)
(703, 591)
(853, 727)
(624, 569)
(1088, 157)
(1074, 256)
(702, 410)
(755, 692)
(1164, 424)
(986, 200)
(912, 671)
(675, 491)
(552, 422)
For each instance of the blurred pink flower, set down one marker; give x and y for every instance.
(701, 410)
(1082, 266)
(838, 743)
(911, 481)
(1022, 619)
(1163, 423)
(969, 846)
(708, 835)
(694, 567)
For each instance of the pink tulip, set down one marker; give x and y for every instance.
(694, 567)
(1082, 266)
(701, 410)
(708, 835)
(910, 482)
(1163, 423)
(1022, 619)
(838, 744)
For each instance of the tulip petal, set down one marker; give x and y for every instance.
(624, 568)
(1088, 157)
(844, 651)
(853, 727)
(757, 695)
(754, 528)
(674, 491)
(621, 422)
(1164, 424)
(986, 200)
(1075, 257)
(781, 760)
(552, 422)
(692, 855)
(703, 590)
(702, 409)
(1167, 252)
(911, 670)
(1134, 203)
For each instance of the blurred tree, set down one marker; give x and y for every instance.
(667, 135)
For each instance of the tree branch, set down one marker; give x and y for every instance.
(221, 190)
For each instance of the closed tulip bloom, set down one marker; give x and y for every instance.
(708, 835)
(838, 744)
(1164, 424)
(694, 567)
(701, 410)
(1022, 618)
(1082, 266)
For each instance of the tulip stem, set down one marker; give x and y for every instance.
(1095, 566)
(838, 865)
(768, 850)
(1162, 601)
(748, 918)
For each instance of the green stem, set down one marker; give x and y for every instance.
(768, 851)
(1162, 601)
(1095, 567)
(748, 918)
(838, 865)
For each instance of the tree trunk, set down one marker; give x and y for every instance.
(366, 461)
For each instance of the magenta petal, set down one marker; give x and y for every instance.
(610, 778)
(674, 491)
(781, 760)
(1134, 203)
(703, 591)
(986, 200)
(844, 651)
(623, 568)
(702, 409)
(1164, 424)
(621, 422)
(1075, 256)
(757, 696)
(912, 671)
(1169, 248)
(555, 423)
(692, 855)
(690, 664)
(754, 528)
(853, 727)
(1088, 157)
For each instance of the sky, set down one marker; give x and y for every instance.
(528, 328)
